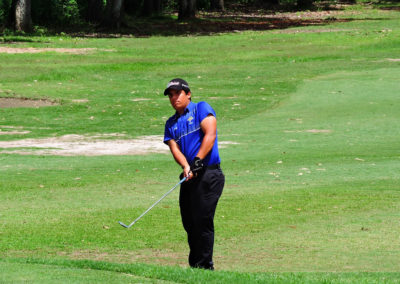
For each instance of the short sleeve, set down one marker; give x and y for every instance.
(167, 134)
(203, 110)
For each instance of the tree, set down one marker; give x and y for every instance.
(23, 20)
(269, 4)
(217, 5)
(305, 4)
(117, 12)
(94, 10)
(152, 7)
(8, 8)
(114, 12)
(187, 9)
(272, 2)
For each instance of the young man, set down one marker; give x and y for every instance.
(191, 134)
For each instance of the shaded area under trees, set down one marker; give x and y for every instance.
(102, 15)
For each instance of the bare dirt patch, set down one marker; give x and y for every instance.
(80, 101)
(79, 145)
(309, 131)
(319, 131)
(295, 31)
(97, 145)
(224, 144)
(165, 257)
(25, 102)
(223, 98)
(18, 50)
(140, 99)
(12, 130)
(394, 59)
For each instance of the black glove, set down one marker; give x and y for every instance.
(196, 166)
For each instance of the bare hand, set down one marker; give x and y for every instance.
(187, 173)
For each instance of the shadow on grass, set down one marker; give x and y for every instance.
(393, 8)
(386, 4)
(205, 26)
(15, 39)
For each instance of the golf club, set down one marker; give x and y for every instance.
(151, 207)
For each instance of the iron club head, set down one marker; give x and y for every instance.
(122, 224)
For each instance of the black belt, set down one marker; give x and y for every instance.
(213, 167)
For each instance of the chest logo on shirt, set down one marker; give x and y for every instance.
(190, 119)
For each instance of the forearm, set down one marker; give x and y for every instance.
(177, 154)
(180, 158)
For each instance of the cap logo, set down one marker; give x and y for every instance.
(172, 84)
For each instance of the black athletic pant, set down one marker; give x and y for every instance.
(198, 200)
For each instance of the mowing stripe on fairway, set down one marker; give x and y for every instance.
(188, 275)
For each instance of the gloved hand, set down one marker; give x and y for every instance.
(196, 166)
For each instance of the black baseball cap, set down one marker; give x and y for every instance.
(177, 84)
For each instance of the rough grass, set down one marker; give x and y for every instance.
(312, 189)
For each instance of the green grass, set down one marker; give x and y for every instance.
(299, 206)
(104, 272)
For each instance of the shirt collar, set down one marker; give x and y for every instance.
(189, 107)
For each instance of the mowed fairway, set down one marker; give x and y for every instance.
(310, 120)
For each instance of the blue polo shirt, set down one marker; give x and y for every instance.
(185, 130)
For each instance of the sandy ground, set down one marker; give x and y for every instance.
(24, 102)
(80, 145)
(294, 31)
(12, 130)
(287, 15)
(16, 50)
(80, 101)
(309, 131)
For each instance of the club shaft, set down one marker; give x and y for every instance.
(158, 201)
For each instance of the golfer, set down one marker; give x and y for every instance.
(191, 134)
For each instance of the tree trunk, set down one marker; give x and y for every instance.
(273, 2)
(117, 12)
(10, 21)
(217, 5)
(191, 8)
(94, 12)
(304, 4)
(148, 7)
(187, 9)
(114, 12)
(182, 9)
(23, 20)
(157, 6)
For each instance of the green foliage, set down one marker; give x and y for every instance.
(171, 5)
(56, 12)
(5, 6)
(203, 4)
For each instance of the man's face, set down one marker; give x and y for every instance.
(179, 100)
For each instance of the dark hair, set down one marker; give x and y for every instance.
(190, 99)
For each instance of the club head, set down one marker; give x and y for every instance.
(123, 225)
